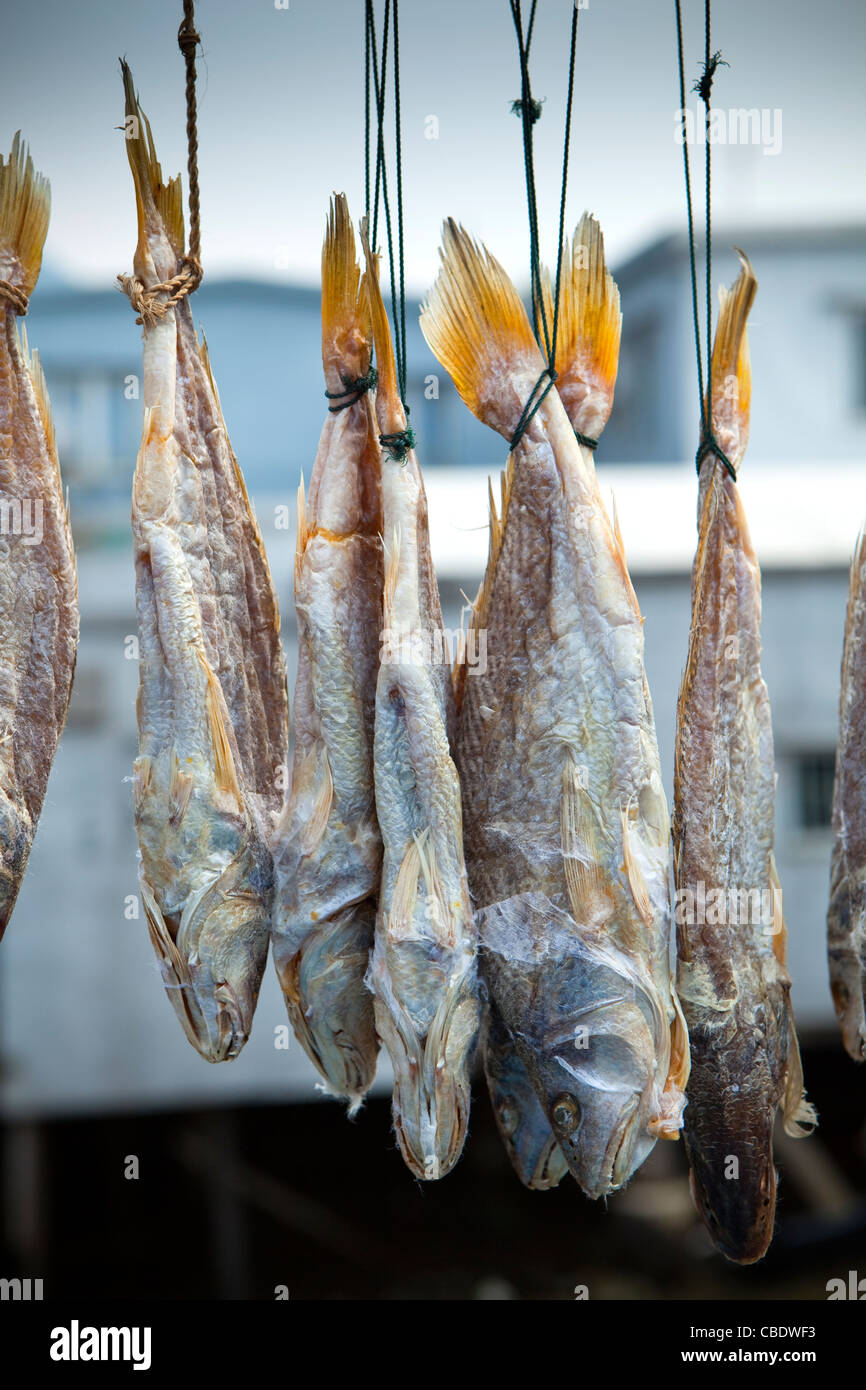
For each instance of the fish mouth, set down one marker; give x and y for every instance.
(615, 1167)
(741, 1241)
(549, 1168)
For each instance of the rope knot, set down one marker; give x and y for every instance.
(17, 298)
(397, 445)
(534, 108)
(188, 39)
(704, 84)
(147, 302)
(354, 388)
(710, 445)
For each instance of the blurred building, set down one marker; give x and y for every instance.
(85, 1024)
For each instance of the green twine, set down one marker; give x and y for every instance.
(354, 387)
(397, 445)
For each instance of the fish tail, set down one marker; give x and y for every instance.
(159, 205)
(475, 323)
(731, 385)
(588, 329)
(346, 332)
(387, 390)
(25, 205)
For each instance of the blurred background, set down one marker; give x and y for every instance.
(247, 1178)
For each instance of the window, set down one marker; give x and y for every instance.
(815, 774)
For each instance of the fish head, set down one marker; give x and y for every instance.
(523, 1125)
(737, 1206)
(431, 1050)
(597, 1061)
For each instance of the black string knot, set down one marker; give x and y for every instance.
(397, 445)
(710, 445)
(534, 108)
(585, 440)
(704, 85)
(529, 409)
(354, 388)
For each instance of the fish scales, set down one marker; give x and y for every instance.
(732, 978)
(567, 835)
(212, 704)
(38, 581)
(846, 916)
(423, 970)
(327, 846)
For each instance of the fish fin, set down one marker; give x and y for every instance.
(668, 1121)
(732, 372)
(392, 574)
(634, 875)
(438, 913)
(588, 894)
(224, 763)
(404, 899)
(799, 1116)
(303, 529)
(33, 364)
(589, 329)
(323, 800)
(153, 198)
(179, 791)
(387, 391)
(25, 206)
(142, 771)
(475, 323)
(346, 345)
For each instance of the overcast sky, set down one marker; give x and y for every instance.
(281, 121)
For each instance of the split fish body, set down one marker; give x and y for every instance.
(212, 702)
(567, 832)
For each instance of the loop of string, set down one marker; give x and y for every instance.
(354, 388)
(529, 110)
(153, 303)
(17, 298)
(399, 443)
(709, 445)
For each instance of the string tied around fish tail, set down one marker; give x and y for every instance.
(152, 302)
(148, 301)
(17, 298)
(586, 441)
(709, 445)
(398, 444)
(353, 387)
(532, 405)
(535, 108)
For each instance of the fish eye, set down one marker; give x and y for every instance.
(508, 1117)
(565, 1113)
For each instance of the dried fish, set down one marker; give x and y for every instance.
(212, 704)
(423, 971)
(731, 979)
(38, 582)
(567, 834)
(327, 847)
(846, 917)
(520, 1118)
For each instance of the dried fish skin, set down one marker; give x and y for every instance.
(212, 703)
(38, 581)
(846, 916)
(523, 1126)
(327, 847)
(424, 967)
(731, 976)
(569, 864)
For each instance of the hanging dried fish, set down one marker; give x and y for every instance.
(212, 704)
(846, 917)
(731, 979)
(423, 971)
(38, 582)
(327, 847)
(567, 833)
